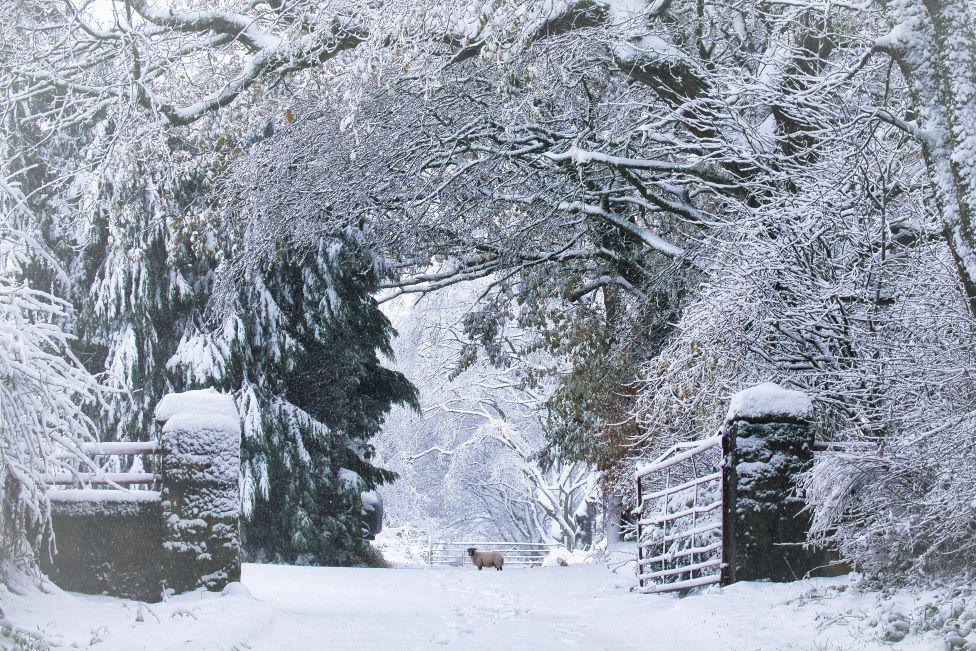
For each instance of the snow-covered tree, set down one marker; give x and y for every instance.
(934, 45)
(301, 348)
(590, 158)
(478, 449)
(501, 466)
(846, 284)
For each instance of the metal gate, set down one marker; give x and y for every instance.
(514, 553)
(680, 517)
(74, 484)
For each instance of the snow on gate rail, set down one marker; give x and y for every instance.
(73, 485)
(679, 511)
(514, 553)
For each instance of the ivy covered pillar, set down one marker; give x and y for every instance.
(768, 444)
(201, 459)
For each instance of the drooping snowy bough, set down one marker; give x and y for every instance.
(42, 389)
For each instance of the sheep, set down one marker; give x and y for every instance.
(481, 559)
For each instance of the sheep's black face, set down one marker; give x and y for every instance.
(472, 550)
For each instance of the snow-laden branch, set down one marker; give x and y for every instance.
(647, 237)
(244, 28)
(582, 157)
(270, 53)
(44, 390)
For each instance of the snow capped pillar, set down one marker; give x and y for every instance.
(201, 451)
(768, 444)
(372, 503)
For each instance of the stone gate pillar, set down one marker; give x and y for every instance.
(201, 450)
(768, 444)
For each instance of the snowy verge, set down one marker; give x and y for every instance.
(582, 606)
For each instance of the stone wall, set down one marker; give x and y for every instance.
(108, 548)
(185, 537)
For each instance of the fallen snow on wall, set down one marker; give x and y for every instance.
(769, 399)
(104, 496)
(201, 438)
(582, 606)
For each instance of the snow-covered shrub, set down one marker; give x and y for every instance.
(401, 546)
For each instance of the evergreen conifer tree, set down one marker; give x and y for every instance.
(303, 355)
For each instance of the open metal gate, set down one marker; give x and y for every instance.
(680, 517)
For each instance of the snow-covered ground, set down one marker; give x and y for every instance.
(581, 606)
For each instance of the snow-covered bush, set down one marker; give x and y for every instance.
(561, 557)
(402, 546)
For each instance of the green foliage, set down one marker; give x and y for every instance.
(583, 349)
(321, 404)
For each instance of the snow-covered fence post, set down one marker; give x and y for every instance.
(201, 448)
(768, 443)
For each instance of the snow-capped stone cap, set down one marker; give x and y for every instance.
(371, 499)
(197, 409)
(769, 399)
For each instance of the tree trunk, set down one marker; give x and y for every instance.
(614, 508)
(934, 43)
